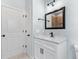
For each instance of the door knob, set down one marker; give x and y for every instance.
(3, 35)
(28, 34)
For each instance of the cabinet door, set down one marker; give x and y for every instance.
(49, 54)
(39, 52)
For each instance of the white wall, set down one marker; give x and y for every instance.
(38, 12)
(71, 24)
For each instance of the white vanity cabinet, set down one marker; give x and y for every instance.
(46, 49)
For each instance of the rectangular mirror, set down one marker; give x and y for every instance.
(55, 19)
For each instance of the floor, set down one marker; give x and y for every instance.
(20, 56)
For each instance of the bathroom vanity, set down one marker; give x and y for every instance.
(50, 48)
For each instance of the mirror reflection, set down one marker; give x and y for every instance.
(55, 19)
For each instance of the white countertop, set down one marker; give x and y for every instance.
(55, 39)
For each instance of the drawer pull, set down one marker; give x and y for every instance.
(41, 51)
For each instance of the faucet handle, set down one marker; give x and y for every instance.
(51, 34)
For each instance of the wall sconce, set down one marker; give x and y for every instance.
(51, 3)
(43, 19)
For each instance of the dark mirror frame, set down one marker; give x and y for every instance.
(63, 8)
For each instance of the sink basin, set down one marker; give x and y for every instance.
(56, 39)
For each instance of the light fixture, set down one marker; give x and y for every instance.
(43, 19)
(51, 3)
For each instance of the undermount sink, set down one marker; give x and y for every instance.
(56, 39)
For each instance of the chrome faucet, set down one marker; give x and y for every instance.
(51, 34)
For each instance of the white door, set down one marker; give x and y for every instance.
(12, 35)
